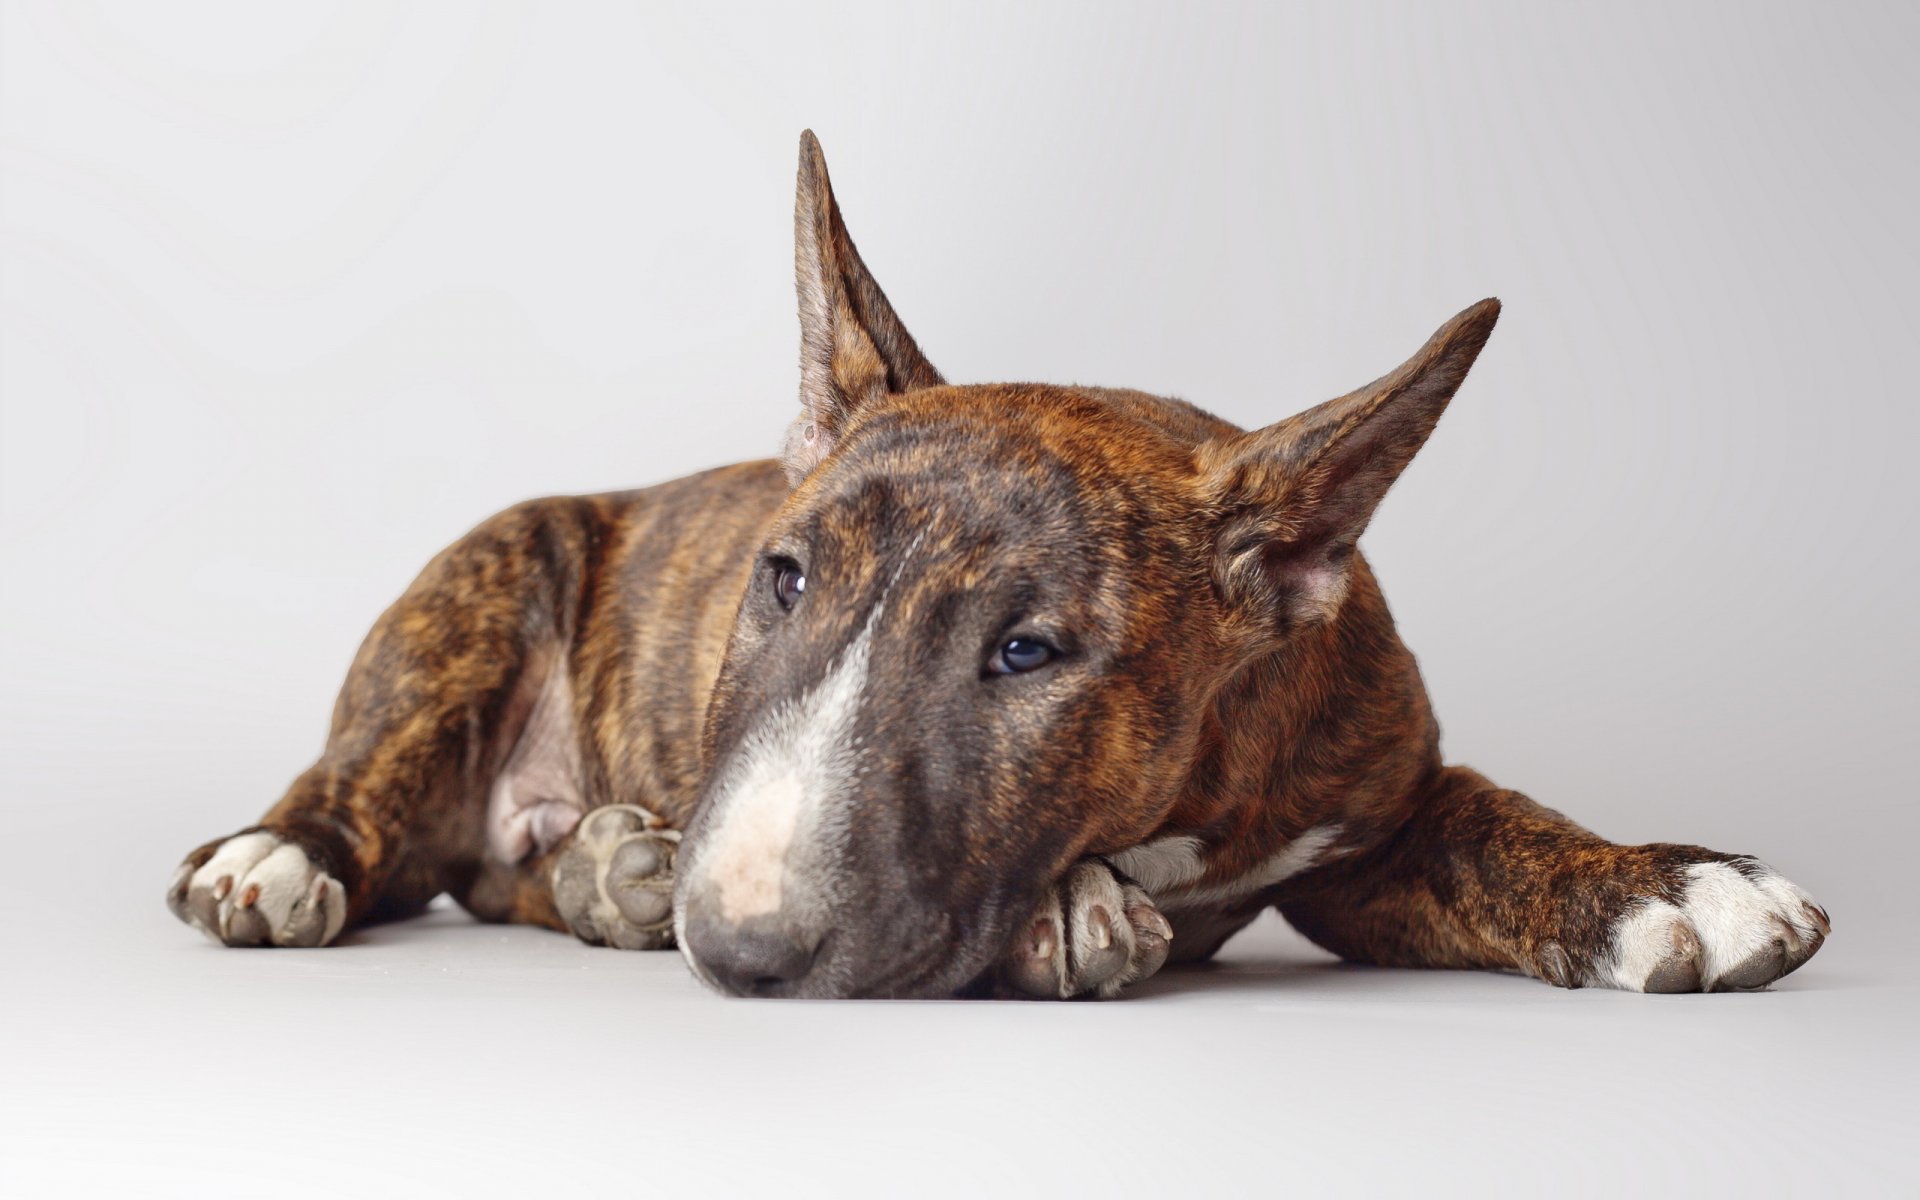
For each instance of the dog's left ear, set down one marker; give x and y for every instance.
(1289, 501)
(853, 347)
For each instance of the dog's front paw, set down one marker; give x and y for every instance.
(613, 880)
(258, 889)
(1096, 932)
(1732, 925)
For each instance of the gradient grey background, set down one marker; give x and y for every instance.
(292, 296)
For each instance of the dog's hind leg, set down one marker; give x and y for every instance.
(1483, 877)
(395, 811)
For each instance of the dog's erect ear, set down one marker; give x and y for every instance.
(853, 348)
(1291, 500)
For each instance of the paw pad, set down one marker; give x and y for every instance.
(613, 881)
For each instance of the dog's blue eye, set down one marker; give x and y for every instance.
(789, 584)
(1021, 654)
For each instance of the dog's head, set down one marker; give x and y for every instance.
(983, 631)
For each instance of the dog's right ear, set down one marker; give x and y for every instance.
(1290, 500)
(853, 347)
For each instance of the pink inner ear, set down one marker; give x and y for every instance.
(806, 445)
(1312, 581)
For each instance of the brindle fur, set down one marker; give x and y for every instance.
(1250, 682)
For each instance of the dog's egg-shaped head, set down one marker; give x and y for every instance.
(956, 668)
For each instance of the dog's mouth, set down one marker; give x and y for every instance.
(886, 952)
(943, 967)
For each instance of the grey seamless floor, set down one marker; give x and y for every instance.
(445, 1057)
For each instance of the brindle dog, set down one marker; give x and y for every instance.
(990, 688)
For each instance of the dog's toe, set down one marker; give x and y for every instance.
(1095, 932)
(1679, 970)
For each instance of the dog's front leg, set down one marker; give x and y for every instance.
(395, 810)
(1484, 877)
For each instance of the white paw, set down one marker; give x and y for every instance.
(1113, 936)
(259, 889)
(1737, 926)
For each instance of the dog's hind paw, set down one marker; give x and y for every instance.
(1096, 932)
(258, 889)
(1736, 925)
(613, 880)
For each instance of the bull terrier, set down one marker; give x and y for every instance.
(989, 689)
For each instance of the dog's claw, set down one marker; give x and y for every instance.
(1146, 916)
(1100, 926)
(1032, 967)
(1152, 938)
(1818, 916)
(1074, 946)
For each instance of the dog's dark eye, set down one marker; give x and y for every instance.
(789, 584)
(1021, 654)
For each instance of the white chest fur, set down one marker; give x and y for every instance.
(1171, 868)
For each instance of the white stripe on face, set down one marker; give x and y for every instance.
(778, 816)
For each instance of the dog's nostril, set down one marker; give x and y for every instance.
(755, 958)
(760, 964)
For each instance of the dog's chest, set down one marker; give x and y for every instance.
(537, 798)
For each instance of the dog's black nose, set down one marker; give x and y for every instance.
(758, 957)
